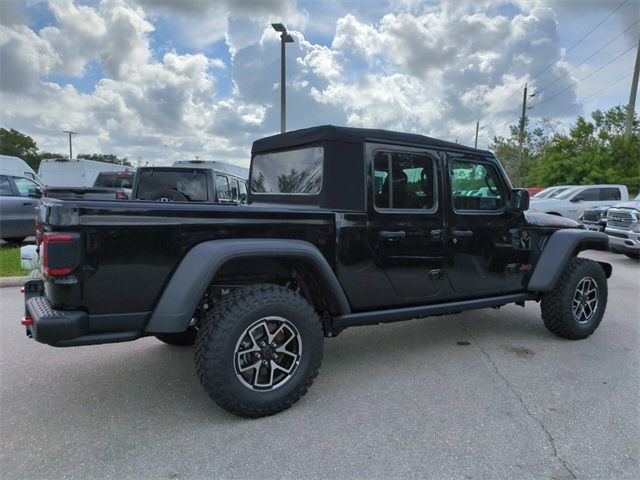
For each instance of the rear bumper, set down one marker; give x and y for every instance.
(68, 328)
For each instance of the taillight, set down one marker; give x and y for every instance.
(121, 196)
(65, 257)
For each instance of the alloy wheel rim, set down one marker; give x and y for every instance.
(267, 354)
(585, 300)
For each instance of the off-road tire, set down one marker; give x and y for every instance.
(14, 241)
(220, 332)
(556, 305)
(179, 339)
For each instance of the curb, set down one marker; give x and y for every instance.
(12, 281)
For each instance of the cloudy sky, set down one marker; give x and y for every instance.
(159, 80)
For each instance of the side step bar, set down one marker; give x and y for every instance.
(407, 313)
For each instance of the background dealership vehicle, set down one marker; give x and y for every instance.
(551, 191)
(344, 227)
(19, 198)
(62, 172)
(192, 181)
(16, 167)
(623, 228)
(595, 218)
(107, 186)
(573, 201)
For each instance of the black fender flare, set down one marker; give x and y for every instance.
(561, 246)
(187, 285)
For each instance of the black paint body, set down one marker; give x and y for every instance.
(132, 248)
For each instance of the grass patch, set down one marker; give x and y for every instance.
(10, 263)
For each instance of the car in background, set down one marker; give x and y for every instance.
(551, 191)
(107, 186)
(191, 181)
(62, 172)
(19, 197)
(533, 190)
(16, 167)
(595, 218)
(623, 228)
(574, 201)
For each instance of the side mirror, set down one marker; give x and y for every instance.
(519, 199)
(37, 192)
(576, 199)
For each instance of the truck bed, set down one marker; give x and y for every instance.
(131, 248)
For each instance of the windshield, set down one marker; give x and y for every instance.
(545, 193)
(113, 180)
(566, 193)
(172, 185)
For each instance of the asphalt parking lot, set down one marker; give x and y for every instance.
(482, 394)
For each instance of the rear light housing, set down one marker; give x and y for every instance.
(60, 253)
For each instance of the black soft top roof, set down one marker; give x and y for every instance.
(351, 135)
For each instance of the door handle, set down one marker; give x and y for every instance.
(392, 236)
(462, 233)
(28, 203)
(437, 234)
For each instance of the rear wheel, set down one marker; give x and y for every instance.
(258, 350)
(576, 305)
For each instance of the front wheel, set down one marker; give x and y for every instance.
(574, 308)
(259, 350)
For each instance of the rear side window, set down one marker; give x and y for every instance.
(173, 185)
(5, 187)
(243, 191)
(222, 188)
(404, 181)
(475, 186)
(293, 172)
(610, 194)
(235, 189)
(590, 195)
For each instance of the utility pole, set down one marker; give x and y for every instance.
(632, 95)
(477, 128)
(70, 147)
(523, 120)
(284, 39)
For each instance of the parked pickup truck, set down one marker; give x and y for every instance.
(623, 228)
(572, 202)
(107, 186)
(343, 227)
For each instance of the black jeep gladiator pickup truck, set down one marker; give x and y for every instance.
(344, 227)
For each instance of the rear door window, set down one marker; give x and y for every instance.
(222, 188)
(235, 190)
(404, 181)
(608, 194)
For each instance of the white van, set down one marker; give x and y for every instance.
(16, 167)
(62, 172)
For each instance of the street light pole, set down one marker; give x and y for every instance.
(70, 147)
(284, 38)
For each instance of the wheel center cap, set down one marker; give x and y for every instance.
(267, 353)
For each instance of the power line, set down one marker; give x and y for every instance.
(579, 41)
(611, 84)
(584, 78)
(588, 58)
(561, 56)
